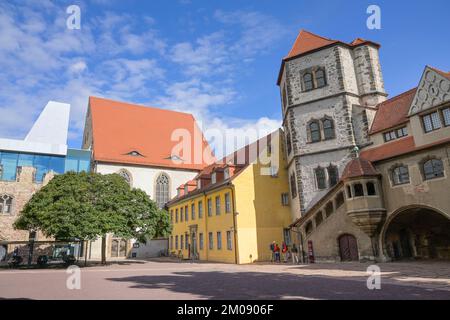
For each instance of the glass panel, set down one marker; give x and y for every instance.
(26, 160)
(328, 129)
(446, 113)
(57, 164)
(42, 166)
(320, 78)
(333, 176)
(307, 79)
(359, 191)
(315, 131)
(9, 166)
(427, 123)
(435, 120)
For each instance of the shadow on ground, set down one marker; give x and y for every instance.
(254, 285)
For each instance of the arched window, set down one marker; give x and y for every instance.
(433, 168)
(314, 131)
(320, 78)
(349, 192)
(333, 175)
(308, 81)
(328, 129)
(321, 179)
(371, 191)
(126, 176)
(162, 195)
(400, 175)
(359, 190)
(5, 204)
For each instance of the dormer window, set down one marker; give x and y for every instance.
(134, 153)
(186, 189)
(213, 178)
(199, 184)
(227, 173)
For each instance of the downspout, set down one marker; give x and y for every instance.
(234, 225)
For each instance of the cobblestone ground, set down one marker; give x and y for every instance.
(164, 279)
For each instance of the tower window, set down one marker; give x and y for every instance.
(333, 175)
(328, 129)
(288, 142)
(321, 179)
(308, 81)
(284, 97)
(314, 131)
(371, 191)
(320, 78)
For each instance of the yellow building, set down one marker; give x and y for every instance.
(233, 210)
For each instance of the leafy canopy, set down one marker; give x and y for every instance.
(90, 205)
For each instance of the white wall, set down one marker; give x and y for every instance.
(144, 177)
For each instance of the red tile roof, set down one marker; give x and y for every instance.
(120, 128)
(308, 42)
(397, 148)
(358, 168)
(393, 112)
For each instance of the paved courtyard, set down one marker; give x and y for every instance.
(162, 279)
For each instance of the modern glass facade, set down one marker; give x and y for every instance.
(75, 160)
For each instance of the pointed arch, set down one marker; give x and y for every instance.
(126, 175)
(6, 203)
(162, 189)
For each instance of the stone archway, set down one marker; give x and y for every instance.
(417, 233)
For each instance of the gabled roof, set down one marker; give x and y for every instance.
(393, 112)
(442, 73)
(359, 168)
(307, 42)
(139, 135)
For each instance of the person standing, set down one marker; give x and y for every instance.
(294, 252)
(284, 251)
(272, 251)
(277, 253)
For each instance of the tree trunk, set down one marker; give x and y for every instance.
(104, 250)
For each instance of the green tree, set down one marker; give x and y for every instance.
(87, 206)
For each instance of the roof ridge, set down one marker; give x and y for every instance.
(398, 96)
(316, 35)
(142, 106)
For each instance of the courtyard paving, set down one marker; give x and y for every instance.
(167, 279)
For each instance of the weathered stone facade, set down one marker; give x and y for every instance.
(354, 86)
(21, 192)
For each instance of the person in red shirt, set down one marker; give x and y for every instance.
(277, 252)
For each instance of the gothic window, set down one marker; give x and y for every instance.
(288, 142)
(431, 122)
(125, 175)
(400, 175)
(371, 191)
(314, 131)
(5, 204)
(293, 186)
(320, 178)
(433, 168)
(320, 78)
(162, 195)
(328, 129)
(333, 176)
(308, 81)
(359, 190)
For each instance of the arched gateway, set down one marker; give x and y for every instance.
(417, 233)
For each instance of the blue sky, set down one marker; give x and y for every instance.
(216, 59)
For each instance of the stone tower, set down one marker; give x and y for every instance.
(329, 90)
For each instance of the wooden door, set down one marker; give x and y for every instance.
(348, 248)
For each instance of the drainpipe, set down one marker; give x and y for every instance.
(234, 225)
